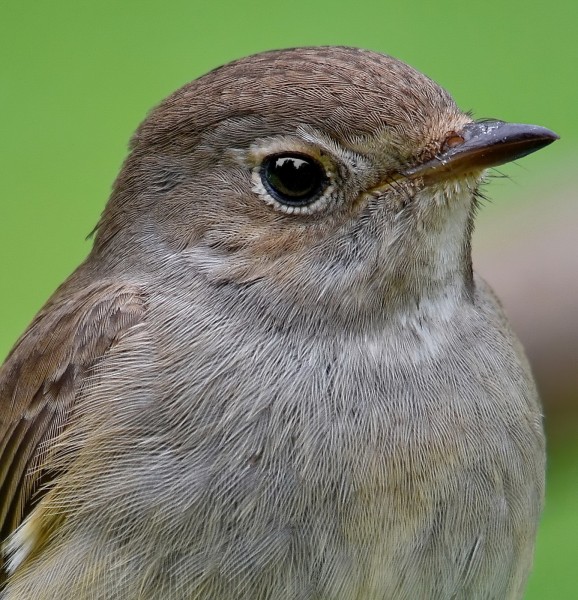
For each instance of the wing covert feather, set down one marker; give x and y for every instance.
(43, 376)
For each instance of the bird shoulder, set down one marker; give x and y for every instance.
(42, 380)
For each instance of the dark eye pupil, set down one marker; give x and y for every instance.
(295, 180)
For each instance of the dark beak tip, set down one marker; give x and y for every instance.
(553, 135)
(538, 132)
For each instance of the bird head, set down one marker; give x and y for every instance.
(331, 177)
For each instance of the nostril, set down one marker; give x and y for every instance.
(452, 140)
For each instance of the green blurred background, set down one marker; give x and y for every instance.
(77, 77)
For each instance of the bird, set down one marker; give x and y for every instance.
(276, 375)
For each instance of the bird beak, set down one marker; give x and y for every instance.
(480, 145)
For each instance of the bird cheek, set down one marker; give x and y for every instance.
(394, 194)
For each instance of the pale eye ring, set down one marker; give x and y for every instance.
(293, 179)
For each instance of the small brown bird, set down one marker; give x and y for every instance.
(276, 376)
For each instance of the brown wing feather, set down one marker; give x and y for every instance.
(42, 377)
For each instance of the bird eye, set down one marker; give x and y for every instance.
(293, 179)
